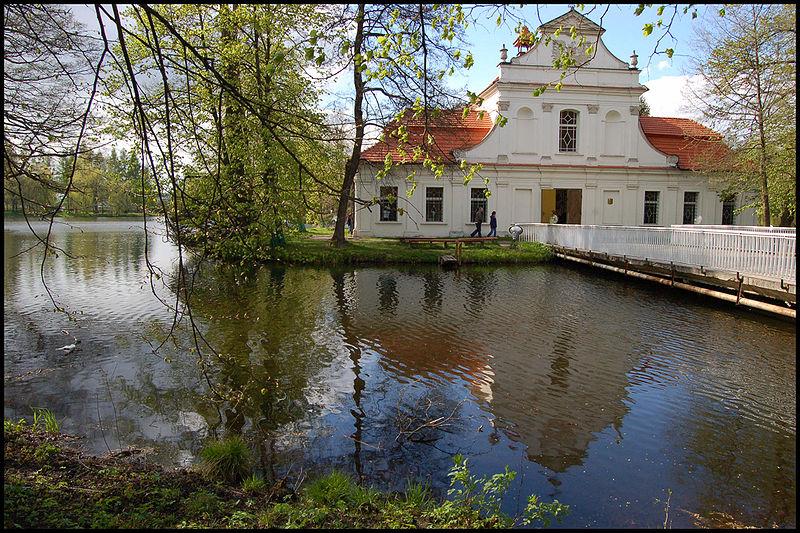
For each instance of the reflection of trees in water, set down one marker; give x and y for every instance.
(388, 453)
(432, 301)
(12, 245)
(563, 350)
(260, 322)
(387, 293)
(732, 459)
(345, 308)
(479, 287)
(93, 251)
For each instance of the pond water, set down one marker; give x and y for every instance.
(608, 394)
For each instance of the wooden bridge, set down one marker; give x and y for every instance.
(748, 265)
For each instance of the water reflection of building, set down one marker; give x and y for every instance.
(552, 381)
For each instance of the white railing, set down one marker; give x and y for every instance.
(756, 229)
(762, 254)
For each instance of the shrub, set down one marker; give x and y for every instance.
(227, 459)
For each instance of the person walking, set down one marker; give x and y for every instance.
(349, 222)
(478, 222)
(492, 225)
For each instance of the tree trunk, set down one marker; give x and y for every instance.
(351, 168)
(762, 164)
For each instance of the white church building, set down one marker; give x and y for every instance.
(582, 154)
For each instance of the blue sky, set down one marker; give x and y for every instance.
(665, 77)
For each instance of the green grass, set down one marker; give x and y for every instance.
(319, 231)
(46, 419)
(254, 484)
(304, 250)
(228, 459)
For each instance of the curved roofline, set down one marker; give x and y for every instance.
(494, 127)
(647, 140)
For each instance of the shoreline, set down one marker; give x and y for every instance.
(49, 482)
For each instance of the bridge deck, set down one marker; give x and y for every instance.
(759, 261)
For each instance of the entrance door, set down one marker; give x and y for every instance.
(568, 205)
(612, 210)
(574, 197)
(548, 205)
(523, 199)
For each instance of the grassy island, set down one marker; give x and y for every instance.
(315, 248)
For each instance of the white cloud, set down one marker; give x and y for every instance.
(669, 96)
(662, 65)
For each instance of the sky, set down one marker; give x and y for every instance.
(665, 78)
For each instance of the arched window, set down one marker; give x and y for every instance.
(568, 131)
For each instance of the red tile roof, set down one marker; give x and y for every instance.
(690, 141)
(694, 144)
(449, 131)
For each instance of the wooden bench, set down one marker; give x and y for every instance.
(458, 241)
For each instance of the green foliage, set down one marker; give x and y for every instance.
(331, 489)
(418, 494)
(484, 496)
(45, 419)
(228, 459)
(11, 428)
(644, 107)
(116, 494)
(201, 503)
(260, 155)
(45, 451)
(536, 511)
(254, 484)
(33, 187)
(748, 62)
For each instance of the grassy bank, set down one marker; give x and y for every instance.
(317, 250)
(49, 483)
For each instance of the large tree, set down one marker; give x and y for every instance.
(747, 62)
(231, 127)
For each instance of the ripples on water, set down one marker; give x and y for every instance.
(601, 392)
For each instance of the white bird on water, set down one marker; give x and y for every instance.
(69, 348)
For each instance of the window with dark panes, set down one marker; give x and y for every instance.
(434, 204)
(651, 207)
(568, 131)
(388, 204)
(728, 207)
(689, 207)
(477, 200)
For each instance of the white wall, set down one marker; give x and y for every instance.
(509, 183)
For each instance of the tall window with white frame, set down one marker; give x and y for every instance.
(651, 207)
(477, 201)
(388, 204)
(690, 207)
(728, 215)
(568, 131)
(434, 204)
